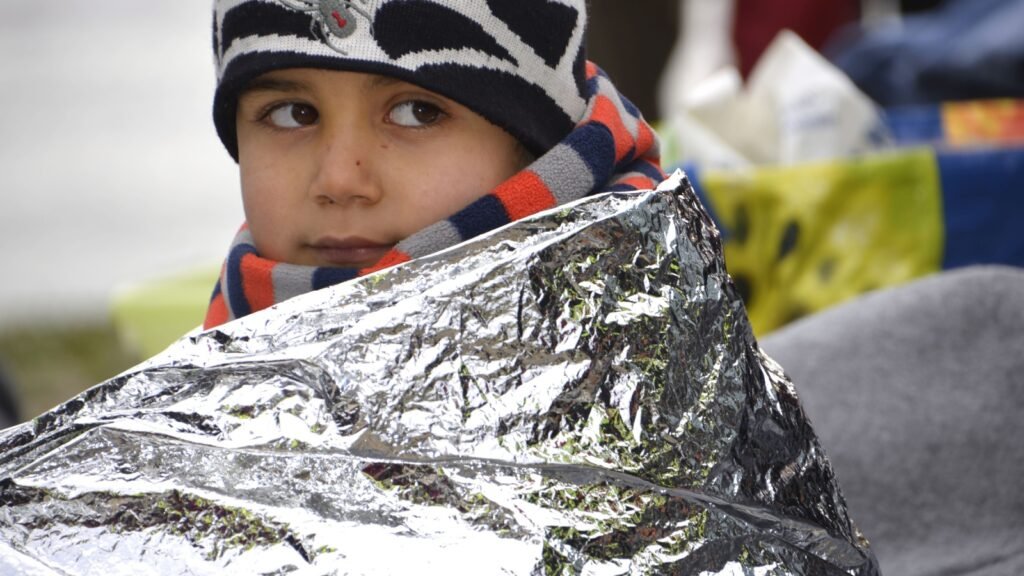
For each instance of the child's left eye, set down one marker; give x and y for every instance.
(415, 114)
(293, 115)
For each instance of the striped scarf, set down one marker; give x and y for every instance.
(612, 149)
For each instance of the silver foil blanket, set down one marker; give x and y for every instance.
(577, 393)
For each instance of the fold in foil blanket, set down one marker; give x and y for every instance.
(578, 392)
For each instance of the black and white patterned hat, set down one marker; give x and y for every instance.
(518, 63)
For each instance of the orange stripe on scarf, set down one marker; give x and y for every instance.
(392, 258)
(258, 282)
(524, 195)
(607, 114)
(217, 313)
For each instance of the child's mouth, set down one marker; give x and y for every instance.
(348, 252)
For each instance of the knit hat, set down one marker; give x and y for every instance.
(518, 63)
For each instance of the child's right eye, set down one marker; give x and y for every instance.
(292, 115)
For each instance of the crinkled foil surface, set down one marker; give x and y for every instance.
(577, 393)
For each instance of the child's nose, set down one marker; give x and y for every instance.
(345, 175)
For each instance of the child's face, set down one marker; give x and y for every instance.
(338, 167)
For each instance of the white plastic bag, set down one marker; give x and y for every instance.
(795, 107)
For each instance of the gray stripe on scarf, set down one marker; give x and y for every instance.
(290, 281)
(243, 237)
(435, 237)
(631, 122)
(565, 174)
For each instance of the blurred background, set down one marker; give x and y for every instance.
(842, 147)
(875, 142)
(111, 174)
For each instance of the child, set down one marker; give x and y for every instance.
(371, 132)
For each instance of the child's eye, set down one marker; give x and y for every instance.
(293, 115)
(415, 114)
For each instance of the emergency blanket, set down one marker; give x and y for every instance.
(579, 392)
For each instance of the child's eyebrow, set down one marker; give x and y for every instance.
(378, 81)
(271, 84)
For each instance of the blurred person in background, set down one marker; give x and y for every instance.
(702, 35)
(955, 50)
(9, 407)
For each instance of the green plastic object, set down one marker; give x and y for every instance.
(149, 316)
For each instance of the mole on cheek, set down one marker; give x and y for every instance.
(359, 162)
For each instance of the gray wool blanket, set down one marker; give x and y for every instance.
(917, 395)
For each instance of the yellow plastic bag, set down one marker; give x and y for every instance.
(801, 238)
